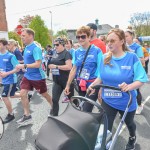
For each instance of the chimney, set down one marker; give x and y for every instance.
(97, 22)
(3, 22)
(116, 26)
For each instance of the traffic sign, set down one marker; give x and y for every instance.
(19, 29)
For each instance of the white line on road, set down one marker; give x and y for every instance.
(146, 100)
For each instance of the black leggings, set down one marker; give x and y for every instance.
(111, 114)
(87, 107)
(139, 97)
(146, 66)
(56, 93)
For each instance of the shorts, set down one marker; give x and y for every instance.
(39, 85)
(9, 90)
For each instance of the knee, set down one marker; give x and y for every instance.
(23, 94)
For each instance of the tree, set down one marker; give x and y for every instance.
(141, 23)
(25, 21)
(62, 33)
(41, 31)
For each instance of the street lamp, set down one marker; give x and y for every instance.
(51, 27)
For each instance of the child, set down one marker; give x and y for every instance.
(8, 62)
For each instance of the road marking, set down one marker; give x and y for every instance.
(146, 100)
(124, 126)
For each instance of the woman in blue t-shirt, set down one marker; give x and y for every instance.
(120, 68)
(137, 49)
(84, 74)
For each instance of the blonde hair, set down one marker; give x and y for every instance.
(120, 33)
(130, 31)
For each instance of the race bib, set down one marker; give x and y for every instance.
(84, 74)
(55, 72)
(108, 93)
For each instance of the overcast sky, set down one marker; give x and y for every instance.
(75, 14)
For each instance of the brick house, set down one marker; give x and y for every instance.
(3, 22)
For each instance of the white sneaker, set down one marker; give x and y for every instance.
(139, 110)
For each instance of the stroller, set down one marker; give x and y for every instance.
(78, 130)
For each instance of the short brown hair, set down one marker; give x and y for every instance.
(83, 29)
(29, 31)
(4, 42)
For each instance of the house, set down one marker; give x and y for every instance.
(3, 22)
(102, 29)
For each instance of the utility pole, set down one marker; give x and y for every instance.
(51, 26)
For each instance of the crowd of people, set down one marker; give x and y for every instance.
(118, 59)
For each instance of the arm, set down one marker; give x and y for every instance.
(70, 79)
(36, 64)
(129, 87)
(5, 74)
(14, 62)
(67, 66)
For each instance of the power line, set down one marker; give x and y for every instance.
(46, 7)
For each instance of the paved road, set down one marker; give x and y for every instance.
(23, 138)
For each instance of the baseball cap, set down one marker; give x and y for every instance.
(92, 26)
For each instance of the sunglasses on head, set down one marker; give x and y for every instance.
(110, 41)
(56, 44)
(82, 37)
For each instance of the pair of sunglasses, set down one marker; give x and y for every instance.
(83, 37)
(56, 44)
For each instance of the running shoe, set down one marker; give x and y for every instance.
(9, 118)
(25, 120)
(131, 143)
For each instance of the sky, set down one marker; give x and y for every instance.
(71, 14)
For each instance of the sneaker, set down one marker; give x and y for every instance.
(139, 110)
(9, 118)
(131, 143)
(65, 99)
(25, 120)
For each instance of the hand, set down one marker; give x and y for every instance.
(125, 87)
(66, 90)
(90, 90)
(52, 66)
(20, 66)
(3, 74)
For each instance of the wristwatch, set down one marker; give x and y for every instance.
(25, 66)
(56, 67)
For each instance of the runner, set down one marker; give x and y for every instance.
(34, 76)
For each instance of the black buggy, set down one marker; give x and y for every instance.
(78, 130)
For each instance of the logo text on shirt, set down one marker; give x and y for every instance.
(126, 67)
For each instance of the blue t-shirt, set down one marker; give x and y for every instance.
(128, 69)
(137, 49)
(8, 62)
(33, 53)
(90, 65)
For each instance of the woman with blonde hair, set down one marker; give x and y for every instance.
(120, 68)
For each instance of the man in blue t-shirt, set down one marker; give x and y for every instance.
(8, 63)
(34, 76)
